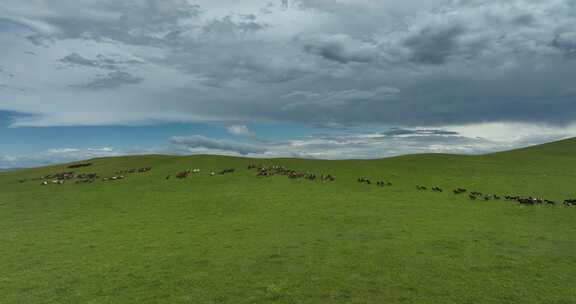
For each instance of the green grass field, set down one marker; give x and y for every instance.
(238, 238)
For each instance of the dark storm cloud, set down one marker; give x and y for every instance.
(342, 49)
(567, 43)
(318, 62)
(426, 132)
(111, 81)
(100, 62)
(434, 45)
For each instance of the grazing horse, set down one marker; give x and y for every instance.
(226, 171)
(327, 178)
(183, 174)
(459, 191)
(526, 201)
(364, 180)
(383, 184)
(437, 189)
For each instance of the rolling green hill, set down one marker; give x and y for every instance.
(238, 238)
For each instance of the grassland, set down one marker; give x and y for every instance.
(241, 239)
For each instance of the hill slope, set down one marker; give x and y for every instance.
(239, 238)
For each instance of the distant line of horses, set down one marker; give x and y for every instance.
(276, 170)
(526, 201)
(268, 171)
(62, 178)
(380, 183)
(186, 173)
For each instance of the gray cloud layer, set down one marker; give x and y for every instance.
(411, 63)
(111, 81)
(198, 141)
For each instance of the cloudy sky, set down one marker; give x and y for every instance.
(299, 78)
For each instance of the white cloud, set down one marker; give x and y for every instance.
(515, 134)
(60, 155)
(62, 151)
(469, 139)
(240, 130)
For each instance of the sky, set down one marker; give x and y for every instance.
(326, 79)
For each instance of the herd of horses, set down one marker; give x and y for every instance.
(268, 171)
(475, 195)
(62, 178)
(186, 173)
(120, 175)
(132, 171)
(367, 181)
(263, 171)
(526, 201)
(276, 170)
